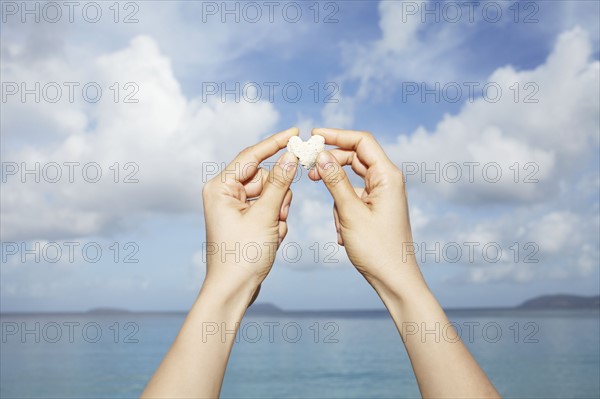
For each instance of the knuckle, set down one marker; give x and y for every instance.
(262, 176)
(397, 177)
(246, 152)
(367, 136)
(207, 189)
(278, 179)
(398, 174)
(283, 229)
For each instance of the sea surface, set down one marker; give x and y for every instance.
(527, 354)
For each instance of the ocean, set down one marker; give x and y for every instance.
(526, 354)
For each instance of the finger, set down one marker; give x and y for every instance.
(255, 185)
(360, 192)
(255, 295)
(245, 164)
(364, 144)
(347, 157)
(285, 206)
(363, 195)
(277, 184)
(338, 231)
(337, 182)
(313, 174)
(344, 157)
(283, 229)
(336, 219)
(251, 201)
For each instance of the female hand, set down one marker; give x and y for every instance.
(372, 223)
(245, 210)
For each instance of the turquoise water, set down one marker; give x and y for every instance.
(527, 354)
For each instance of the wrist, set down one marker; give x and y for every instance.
(399, 283)
(230, 296)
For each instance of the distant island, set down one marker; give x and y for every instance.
(562, 301)
(545, 302)
(265, 308)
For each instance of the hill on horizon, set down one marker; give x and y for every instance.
(561, 301)
(543, 302)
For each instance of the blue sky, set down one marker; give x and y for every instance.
(372, 54)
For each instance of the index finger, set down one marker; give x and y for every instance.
(246, 163)
(367, 149)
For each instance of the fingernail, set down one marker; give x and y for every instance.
(287, 158)
(323, 159)
(288, 164)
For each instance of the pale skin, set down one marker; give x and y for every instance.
(371, 223)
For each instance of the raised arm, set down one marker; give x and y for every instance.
(195, 364)
(373, 225)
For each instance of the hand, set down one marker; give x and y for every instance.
(372, 223)
(245, 210)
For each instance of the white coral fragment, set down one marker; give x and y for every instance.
(306, 151)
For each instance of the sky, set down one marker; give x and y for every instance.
(113, 117)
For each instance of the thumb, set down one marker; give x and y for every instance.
(336, 181)
(278, 182)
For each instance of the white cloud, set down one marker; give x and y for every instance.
(556, 135)
(399, 54)
(520, 245)
(167, 135)
(556, 231)
(340, 114)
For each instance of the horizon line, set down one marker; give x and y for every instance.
(274, 309)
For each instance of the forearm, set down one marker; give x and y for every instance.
(195, 365)
(442, 364)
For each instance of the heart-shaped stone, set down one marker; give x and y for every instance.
(306, 151)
